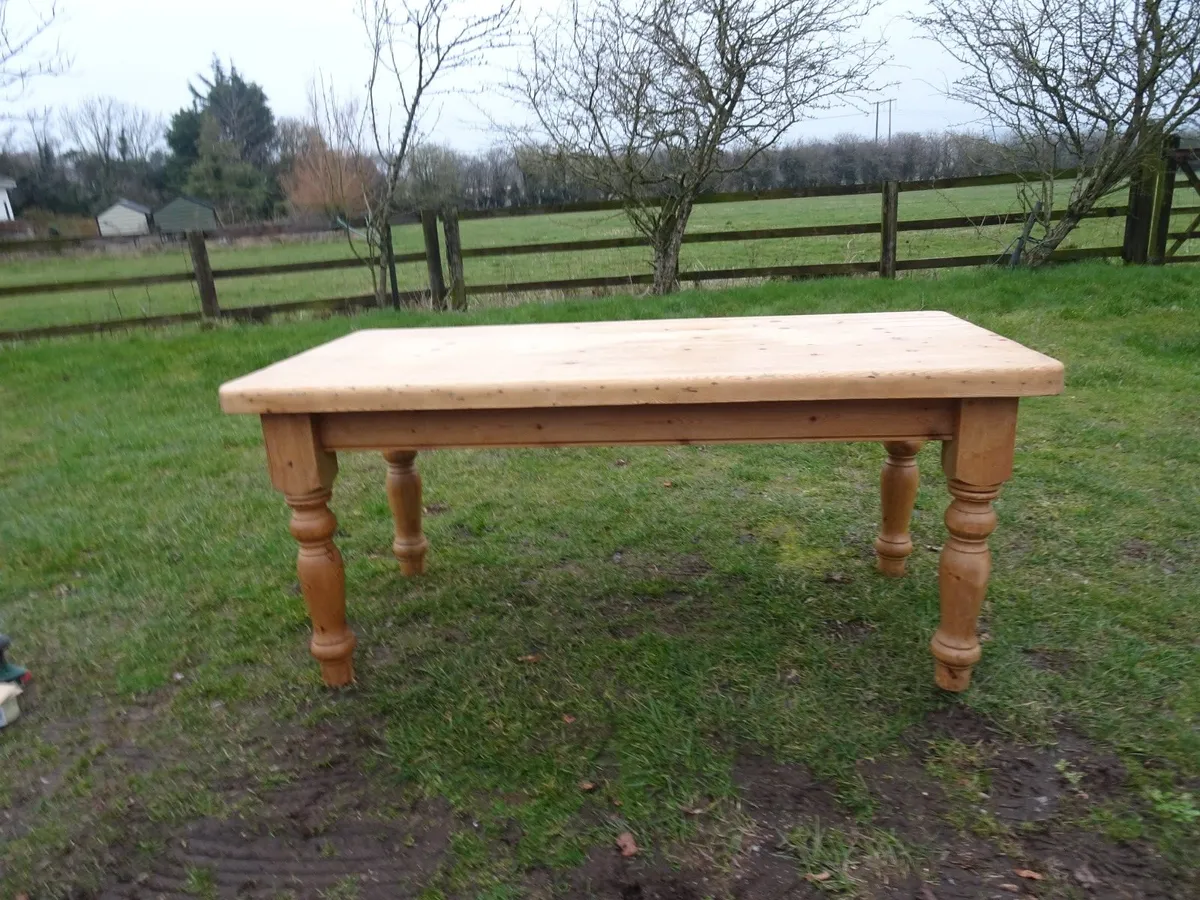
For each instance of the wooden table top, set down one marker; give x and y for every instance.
(864, 356)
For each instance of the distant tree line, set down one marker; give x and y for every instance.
(502, 177)
(436, 175)
(228, 148)
(648, 102)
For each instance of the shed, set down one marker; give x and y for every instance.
(186, 214)
(124, 217)
(6, 210)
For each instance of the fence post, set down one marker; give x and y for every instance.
(389, 257)
(888, 229)
(1164, 196)
(454, 261)
(433, 259)
(209, 307)
(1129, 243)
(1136, 248)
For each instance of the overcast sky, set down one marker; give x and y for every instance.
(145, 51)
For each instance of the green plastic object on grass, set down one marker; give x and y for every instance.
(10, 671)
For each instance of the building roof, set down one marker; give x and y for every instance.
(183, 198)
(129, 204)
(7, 183)
(186, 214)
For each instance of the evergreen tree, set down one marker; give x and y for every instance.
(238, 190)
(239, 148)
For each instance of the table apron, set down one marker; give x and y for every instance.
(684, 423)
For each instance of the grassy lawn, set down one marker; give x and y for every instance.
(687, 644)
(58, 309)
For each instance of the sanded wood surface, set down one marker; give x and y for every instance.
(629, 363)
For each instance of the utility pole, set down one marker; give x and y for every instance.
(878, 104)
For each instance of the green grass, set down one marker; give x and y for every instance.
(58, 309)
(836, 862)
(146, 575)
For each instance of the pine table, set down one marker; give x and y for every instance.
(899, 379)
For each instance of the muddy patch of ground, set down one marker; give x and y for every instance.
(678, 565)
(1024, 799)
(111, 742)
(959, 812)
(670, 613)
(606, 875)
(1022, 783)
(329, 827)
(778, 796)
(848, 631)
(1050, 659)
(1137, 552)
(283, 853)
(928, 838)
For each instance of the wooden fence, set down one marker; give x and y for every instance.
(1147, 219)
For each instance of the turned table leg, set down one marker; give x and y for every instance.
(977, 462)
(404, 497)
(898, 487)
(305, 472)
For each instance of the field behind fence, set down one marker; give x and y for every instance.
(836, 230)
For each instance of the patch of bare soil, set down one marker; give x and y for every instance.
(1137, 552)
(1030, 791)
(761, 873)
(606, 875)
(331, 825)
(779, 796)
(678, 565)
(112, 739)
(670, 613)
(1050, 659)
(328, 828)
(849, 631)
(267, 856)
(1027, 784)
(774, 797)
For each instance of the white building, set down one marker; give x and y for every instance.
(124, 217)
(6, 210)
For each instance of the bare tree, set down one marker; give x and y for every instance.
(432, 177)
(23, 38)
(109, 143)
(40, 124)
(329, 172)
(1095, 82)
(414, 45)
(113, 131)
(291, 135)
(642, 97)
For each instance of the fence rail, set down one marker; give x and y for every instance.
(101, 284)
(831, 190)
(757, 234)
(64, 287)
(1142, 242)
(223, 233)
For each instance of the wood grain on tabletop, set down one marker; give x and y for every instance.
(710, 360)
